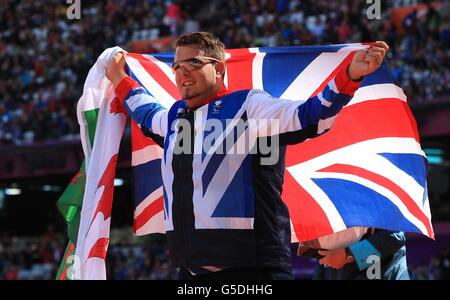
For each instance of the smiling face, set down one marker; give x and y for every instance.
(197, 85)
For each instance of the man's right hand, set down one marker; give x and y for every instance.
(115, 71)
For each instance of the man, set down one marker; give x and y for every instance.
(224, 214)
(380, 254)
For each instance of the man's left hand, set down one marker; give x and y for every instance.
(335, 259)
(366, 61)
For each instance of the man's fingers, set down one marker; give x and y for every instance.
(115, 71)
(380, 50)
(119, 57)
(374, 59)
(373, 64)
(382, 45)
(378, 56)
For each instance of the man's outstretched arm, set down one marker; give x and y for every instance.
(139, 104)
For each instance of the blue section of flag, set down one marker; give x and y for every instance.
(380, 76)
(412, 164)
(359, 205)
(303, 50)
(166, 58)
(281, 63)
(147, 178)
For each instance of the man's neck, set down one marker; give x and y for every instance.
(218, 92)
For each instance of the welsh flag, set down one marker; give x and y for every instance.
(87, 201)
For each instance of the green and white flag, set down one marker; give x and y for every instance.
(87, 201)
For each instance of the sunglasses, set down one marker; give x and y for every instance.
(193, 63)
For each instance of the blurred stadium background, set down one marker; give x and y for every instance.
(45, 57)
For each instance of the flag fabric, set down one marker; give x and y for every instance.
(369, 170)
(69, 204)
(87, 201)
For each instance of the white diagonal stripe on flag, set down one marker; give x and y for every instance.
(377, 91)
(146, 154)
(147, 201)
(150, 83)
(312, 77)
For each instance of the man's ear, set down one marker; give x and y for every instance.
(220, 69)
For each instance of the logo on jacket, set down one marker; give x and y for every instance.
(216, 107)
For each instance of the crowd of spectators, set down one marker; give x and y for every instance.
(419, 53)
(39, 257)
(438, 268)
(45, 57)
(29, 258)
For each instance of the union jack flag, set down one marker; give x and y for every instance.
(369, 170)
